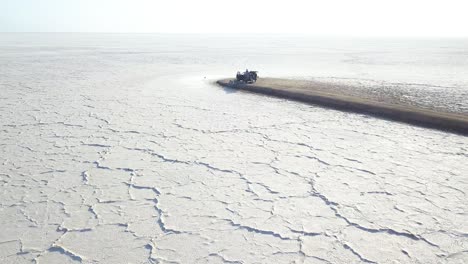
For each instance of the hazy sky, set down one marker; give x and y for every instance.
(323, 17)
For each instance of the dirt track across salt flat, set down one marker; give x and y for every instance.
(348, 99)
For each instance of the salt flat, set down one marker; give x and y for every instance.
(114, 152)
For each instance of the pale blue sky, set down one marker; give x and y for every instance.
(324, 17)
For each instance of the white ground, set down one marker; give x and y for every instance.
(109, 160)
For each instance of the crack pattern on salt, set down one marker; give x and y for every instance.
(138, 171)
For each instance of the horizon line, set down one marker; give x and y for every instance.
(237, 33)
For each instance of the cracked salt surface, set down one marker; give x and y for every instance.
(128, 157)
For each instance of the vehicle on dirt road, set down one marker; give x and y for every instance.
(247, 76)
